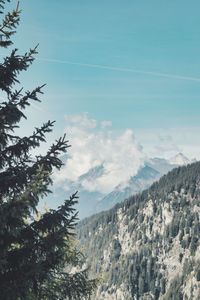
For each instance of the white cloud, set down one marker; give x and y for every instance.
(105, 124)
(94, 145)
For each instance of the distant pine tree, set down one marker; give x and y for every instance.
(34, 252)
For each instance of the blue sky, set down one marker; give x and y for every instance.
(133, 63)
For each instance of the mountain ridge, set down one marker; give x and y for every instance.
(148, 246)
(91, 200)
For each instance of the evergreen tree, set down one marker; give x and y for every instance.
(198, 275)
(35, 253)
(163, 285)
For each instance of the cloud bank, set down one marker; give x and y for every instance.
(95, 145)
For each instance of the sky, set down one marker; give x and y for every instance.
(129, 68)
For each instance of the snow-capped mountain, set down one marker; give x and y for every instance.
(92, 201)
(144, 178)
(93, 173)
(179, 160)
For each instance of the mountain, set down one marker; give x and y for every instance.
(93, 201)
(179, 160)
(152, 170)
(148, 246)
(144, 178)
(161, 165)
(93, 173)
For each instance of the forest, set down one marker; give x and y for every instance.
(147, 246)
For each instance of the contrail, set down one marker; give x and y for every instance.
(121, 69)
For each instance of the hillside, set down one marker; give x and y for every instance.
(147, 247)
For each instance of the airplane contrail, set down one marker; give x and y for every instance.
(121, 69)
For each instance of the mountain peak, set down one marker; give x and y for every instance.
(179, 159)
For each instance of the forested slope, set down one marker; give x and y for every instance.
(147, 247)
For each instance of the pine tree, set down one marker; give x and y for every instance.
(35, 253)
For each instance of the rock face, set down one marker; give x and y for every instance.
(147, 247)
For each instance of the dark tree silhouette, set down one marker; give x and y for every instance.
(35, 253)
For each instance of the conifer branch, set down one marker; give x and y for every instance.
(10, 21)
(12, 66)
